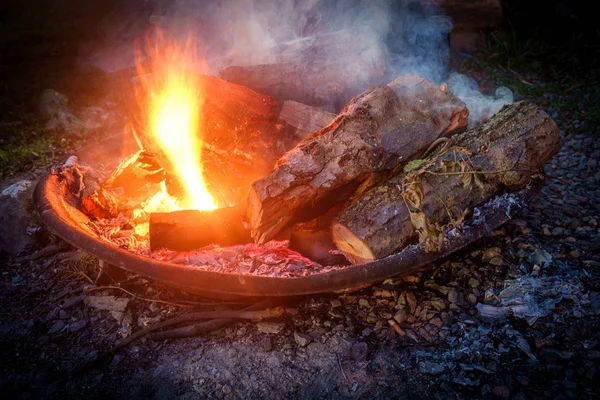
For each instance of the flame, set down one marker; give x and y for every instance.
(173, 98)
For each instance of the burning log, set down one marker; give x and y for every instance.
(500, 155)
(376, 132)
(243, 134)
(191, 229)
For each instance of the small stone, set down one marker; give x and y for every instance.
(57, 326)
(270, 327)
(474, 283)
(226, 389)
(359, 351)
(431, 368)
(574, 254)
(436, 321)
(302, 339)
(265, 344)
(501, 391)
(490, 253)
(335, 303)
(382, 293)
(115, 361)
(109, 303)
(372, 318)
(411, 300)
(364, 303)
(72, 302)
(558, 231)
(76, 326)
(471, 299)
(496, 261)
(400, 316)
(439, 304)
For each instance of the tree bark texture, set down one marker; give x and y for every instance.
(376, 132)
(500, 155)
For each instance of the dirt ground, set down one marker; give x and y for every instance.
(514, 316)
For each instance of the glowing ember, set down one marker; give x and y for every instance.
(173, 109)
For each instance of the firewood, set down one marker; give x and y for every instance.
(191, 229)
(376, 132)
(500, 155)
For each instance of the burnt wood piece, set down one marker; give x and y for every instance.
(134, 180)
(500, 155)
(323, 70)
(243, 134)
(192, 229)
(376, 132)
(100, 204)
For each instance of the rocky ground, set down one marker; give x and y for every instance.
(514, 316)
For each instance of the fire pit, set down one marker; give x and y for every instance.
(61, 216)
(226, 195)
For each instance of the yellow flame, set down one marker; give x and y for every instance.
(174, 102)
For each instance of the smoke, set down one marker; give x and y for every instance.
(364, 42)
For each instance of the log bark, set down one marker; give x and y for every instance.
(186, 230)
(377, 131)
(500, 155)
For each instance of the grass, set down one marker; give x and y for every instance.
(31, 146)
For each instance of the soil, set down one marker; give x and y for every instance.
(516, 315)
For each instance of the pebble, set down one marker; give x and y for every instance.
(57, 326)
(302, 339)
(270, 327)
(431, 368)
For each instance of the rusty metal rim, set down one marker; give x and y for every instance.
(61, 218)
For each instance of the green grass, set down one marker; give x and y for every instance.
(31, 146)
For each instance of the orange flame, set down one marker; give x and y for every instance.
(172, 95)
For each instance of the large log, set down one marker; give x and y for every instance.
(377, 131)
(500, 155)
(191, 229)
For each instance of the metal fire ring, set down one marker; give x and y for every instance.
(62, 218)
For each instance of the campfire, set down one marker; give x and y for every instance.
(233, 181)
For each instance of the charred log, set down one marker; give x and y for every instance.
(192, 229)
(500, 155)
(376, 132)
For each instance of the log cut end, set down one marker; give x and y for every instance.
(355, 250)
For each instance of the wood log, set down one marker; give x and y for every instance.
(192, 229)
(377, 131)
(500, 155)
